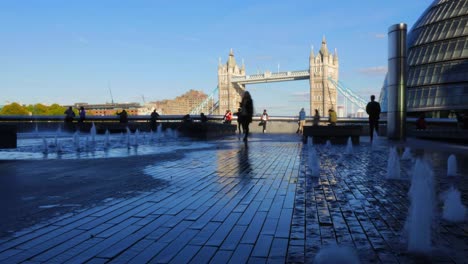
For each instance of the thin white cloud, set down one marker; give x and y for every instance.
(299, 97)
(380, 35)
(82, 40)
(378, 70)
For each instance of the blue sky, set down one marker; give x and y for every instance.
(70, 51)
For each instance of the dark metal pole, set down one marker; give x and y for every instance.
(396, 89)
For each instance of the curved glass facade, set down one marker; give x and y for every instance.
(437, 79)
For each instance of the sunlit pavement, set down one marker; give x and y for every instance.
(224, 202)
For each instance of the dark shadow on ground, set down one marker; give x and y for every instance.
(34, 191)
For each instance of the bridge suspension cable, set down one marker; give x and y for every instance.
(349, 94)
(209, 105)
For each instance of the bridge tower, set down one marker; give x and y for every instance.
(230, 94)
(323, 95)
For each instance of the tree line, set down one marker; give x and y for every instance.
(36, 109)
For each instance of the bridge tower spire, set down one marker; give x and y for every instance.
(324, 65)
(229, 93)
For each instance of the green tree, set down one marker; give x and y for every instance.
(56, 109)
(14, 109)
(40, 109)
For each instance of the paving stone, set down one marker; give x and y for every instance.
(249, 205)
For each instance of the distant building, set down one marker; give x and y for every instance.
(437, 79)
(340, 111)
(108, 109)
(180, 105)
(361, 113)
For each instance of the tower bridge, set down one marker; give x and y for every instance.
(322, 74)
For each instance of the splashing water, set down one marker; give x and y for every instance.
(328, 144)
(452, 166)
(93, 133)
(169, 132)
(336, 254)
(107, 133)
(314, 163)
(128, 137)
(393, 165)
(76, 140)
(310, 141)
(159, 132)
(45, 147)
(59, 147)
(406, 154)
(454, 210)
(376, 141)
(421, 212)
(349, 146)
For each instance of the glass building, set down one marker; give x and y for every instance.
(437, 78)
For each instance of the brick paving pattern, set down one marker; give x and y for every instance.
(237, 204)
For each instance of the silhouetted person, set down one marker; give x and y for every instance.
(421, 122)
(239, 119)
(69, 115)
(332, 117)
(123, 117)
(316, 120)
(154, 120)
(246, 113)
(264, 120)
(373, 110)
(203, 118)
(187, 118)
(82, 113)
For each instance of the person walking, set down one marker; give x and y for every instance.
(264, 119)
(302, 119)
(82, 113)
(246, 113)
(373, 110)
(316, 118)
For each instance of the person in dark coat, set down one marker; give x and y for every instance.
(123, 116)
(69, 115)
(82, 113)
(239, 119)
(203, 118)
(153, 120)
(373, 110)
(246, 113)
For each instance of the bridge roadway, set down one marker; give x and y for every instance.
(228, 203)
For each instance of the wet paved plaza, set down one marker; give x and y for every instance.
(225, 202)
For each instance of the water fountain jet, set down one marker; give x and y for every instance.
(393, 165)
(349, 146)
(454, 210)
(406, 154)
(452, 166)
(314, 163)
(421, 212)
